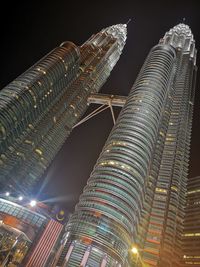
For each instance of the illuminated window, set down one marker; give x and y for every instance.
(161, 190)
(38, 151)
(72, 106)
(174, 188)
(41, 70)
(191, 234)
(194, 191)
(54, 119)
(170, 138)
(28, 142)
(31, 126)
(162, 134)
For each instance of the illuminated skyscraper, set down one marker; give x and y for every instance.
(40, 107)
(167, 178)
(191, 237)
(136, 192)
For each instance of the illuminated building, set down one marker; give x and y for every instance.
(191, 236)
(162, 223)
(136, 192)
(26, 234)
(39, 108)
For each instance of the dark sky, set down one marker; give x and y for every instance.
(31, 30)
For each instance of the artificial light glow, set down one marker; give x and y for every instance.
(134, 250)
(33, 203)
(20, 198)
(7, 194)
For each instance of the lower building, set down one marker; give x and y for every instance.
(27, 238)
(191, 236)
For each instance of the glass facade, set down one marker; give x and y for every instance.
(19, 229)
(162, 222)
(136, 191)
(191, 234)
(23, 214)
(40, 107)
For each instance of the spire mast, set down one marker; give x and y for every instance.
(128, 21)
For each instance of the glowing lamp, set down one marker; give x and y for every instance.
(33, 203)
(134, 250)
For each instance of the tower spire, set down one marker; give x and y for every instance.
(129, 20)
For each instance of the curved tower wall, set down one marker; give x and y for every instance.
(26, 116)
(165, 204)
(191, 236)
(39, 109)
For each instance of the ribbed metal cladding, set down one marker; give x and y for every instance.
(180, 134)
(25, 103)
(29, 96)
(59, 86)
(97, 61)
(191, 234)
(161, 227)
(107, 214)
(163, 238)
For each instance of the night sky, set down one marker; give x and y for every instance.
(31, 30)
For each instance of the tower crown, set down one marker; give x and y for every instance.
(117, 32)
(182, 28)
(181, 38)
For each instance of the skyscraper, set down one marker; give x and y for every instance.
(191, 236)
(40, 107)
(169, 168)
(136, 192)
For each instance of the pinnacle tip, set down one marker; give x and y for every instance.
(128, 21)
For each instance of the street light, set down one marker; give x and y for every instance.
(33, 203)
(135, 255)
(134, 250)
(20, 198)
(7, 194)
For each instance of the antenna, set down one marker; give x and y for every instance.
(128, 21)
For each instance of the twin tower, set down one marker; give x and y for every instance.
(135, 195)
